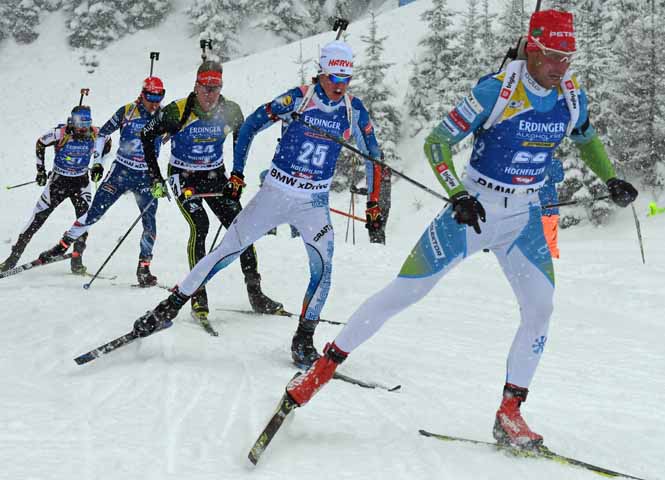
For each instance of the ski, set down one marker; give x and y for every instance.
(100, 277)
(33, 264)
(365, 384)
(121, 341)
(279, 313)
(542, 452)
(285, 407)
(205, 323)
(114, 344)
(159, 285)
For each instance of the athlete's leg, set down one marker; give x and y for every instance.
(551, 230)
(148, 205)
(81, 198)
(252, 223)
(109, 191)
(527, 264)
(442, 246)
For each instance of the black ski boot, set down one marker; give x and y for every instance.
(161, 317)
(13, 258)
(257, 299)
(77, 256)
(58, 250)
(143, 275)
(10, 262)
(303, 352)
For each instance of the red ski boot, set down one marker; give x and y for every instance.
(303, 387)
(509, 426)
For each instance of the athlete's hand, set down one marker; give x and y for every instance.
(233, 188)
(374, 217)
(41, 177)
(96, 172)
(158, 188)
(467, 210)
(621, 192)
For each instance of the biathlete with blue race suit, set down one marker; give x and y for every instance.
(128, 172)
(295, 191)
(73, 143)
(198, 126)
(518, 118)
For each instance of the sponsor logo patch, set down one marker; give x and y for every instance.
(322, 232)
(465, 109)
(459, 121)
(505, 93)
(523, 180)
(435, 243)
(286, 100)
(450, 127)
(569, 85)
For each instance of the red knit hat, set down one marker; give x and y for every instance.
(552, 29)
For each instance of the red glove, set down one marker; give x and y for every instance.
(374, 217)
(233, 188)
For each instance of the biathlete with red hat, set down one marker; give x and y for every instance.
(198, 125)
(518, 118)
(295, 190)
(74, 143)
(128, 172)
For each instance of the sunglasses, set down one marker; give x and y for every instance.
(339, 79)
(554, 56)
(153, 97)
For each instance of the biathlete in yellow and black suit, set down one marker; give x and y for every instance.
(198, 126)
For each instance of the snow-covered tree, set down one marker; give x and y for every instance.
(432, 86)
(144, 14)
(93, 24)
(219, 21)
(370, 86)
(289, 19)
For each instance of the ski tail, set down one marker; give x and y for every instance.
(285, 407)
(33, 264)
(106, 348)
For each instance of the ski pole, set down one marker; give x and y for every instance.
(86, 286)
(298, 118)
(9, 187)
(639, 233)
(339, 212)
(575, 202)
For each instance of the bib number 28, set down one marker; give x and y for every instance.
(313, 154)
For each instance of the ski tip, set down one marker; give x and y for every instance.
(424, 433)
(252, 458)
(395, 388)
(85, 358)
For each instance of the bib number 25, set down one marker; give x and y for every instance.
(313, 154)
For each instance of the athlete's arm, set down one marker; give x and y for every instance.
(166, 121)
(363, 132)
(592, 150)
(111, 125)
(262, 118)
(467, 117)
(46, 140)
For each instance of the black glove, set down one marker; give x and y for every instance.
(233, 188)
(374, 217)
(621, 192)
(467, 210)
(96, 172)
(41, 177)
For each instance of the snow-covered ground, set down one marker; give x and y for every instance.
(182, 404)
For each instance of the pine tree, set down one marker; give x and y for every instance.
(491, 55)
(305, 65)
(144, 14)
(26, 19)
(219, 20)
(93, 24)
(513, 23)
(376, 95)
(433, 84)
(289, 19)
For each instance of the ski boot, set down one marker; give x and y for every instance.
(161, 317)
(58, 250)
(509, 426)
(257, 299)
(303, 352)
(303, 387)
(10, 262)
(77, 255)
(143, 275)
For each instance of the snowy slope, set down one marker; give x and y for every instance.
(182, 404)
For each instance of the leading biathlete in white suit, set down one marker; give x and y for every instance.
(295, 190)
(518, 117)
